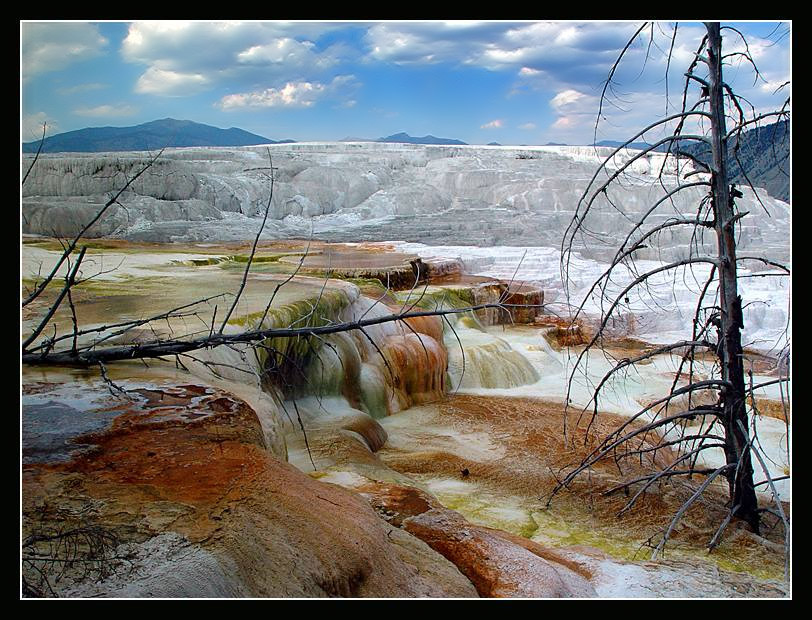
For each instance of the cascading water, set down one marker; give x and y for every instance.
(486, 361)
(377, 371)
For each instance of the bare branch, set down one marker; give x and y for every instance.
(72, 245)
(253, 251)
(36, 157)
(69, 281)
(172, 347)
(685, 507)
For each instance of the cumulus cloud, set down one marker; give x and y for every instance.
(529, 47)
(408, 43)
(573, 109)
(31, 126)
(566, 55)
(53, 46)
(294, 95)
(494, 124)
(280, 50)
(565, 99)
(107, 111)
(772, 61)
(299, 94)
(157, 81)
(202, 55)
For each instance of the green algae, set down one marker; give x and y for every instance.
(559, 530)
(480, 507)
(574, 529)
(285, 360)
(480, 513)
(313, 311)
(371, 287)
(732, 562)
(262, 263)
(201, 262)
(250, 320)
(434, 297)
(258, 258)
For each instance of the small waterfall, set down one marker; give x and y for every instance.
(400, 365)
(365, 374)
(379, 370)
(486, 361)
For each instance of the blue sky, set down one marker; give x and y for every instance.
(508, 82)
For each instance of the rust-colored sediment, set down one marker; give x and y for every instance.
(199, 468)
(497, 563)
(535, 455)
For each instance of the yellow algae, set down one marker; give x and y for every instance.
(481, 507)
(509, 492)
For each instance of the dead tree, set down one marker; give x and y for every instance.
(721, 401)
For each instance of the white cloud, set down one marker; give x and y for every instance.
(573, 109)
(203, 55)
(277, 51)
(528, 72)
(564, 99)
(548, 55)
(52, 46)
(571, 55)
(568, 36)
(409, 43)
(107, 111)
(779, 86)
(494, 124)
(157, 81)
(294, 94)
(564, 122)
(31, 126)
(496, 56)
(299, 94)
(527, 126)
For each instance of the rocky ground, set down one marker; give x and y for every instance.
(171, 482)
(178, 496)
(157, 489)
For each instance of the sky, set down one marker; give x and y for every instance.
(514, 83)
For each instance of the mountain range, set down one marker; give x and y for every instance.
(759, 156)
(166, 132)
(405, 138)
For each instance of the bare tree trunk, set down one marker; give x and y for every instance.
(737, 449)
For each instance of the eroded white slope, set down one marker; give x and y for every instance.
(440, 195)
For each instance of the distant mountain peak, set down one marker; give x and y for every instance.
(429, 139)
(160, 133)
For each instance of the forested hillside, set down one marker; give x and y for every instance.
(761, 155)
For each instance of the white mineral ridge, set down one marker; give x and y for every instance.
(439, 195)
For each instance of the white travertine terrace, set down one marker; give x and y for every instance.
(438, 195)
